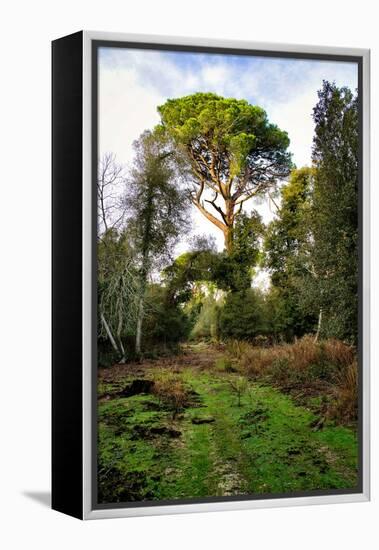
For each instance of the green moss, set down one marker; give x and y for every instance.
(265, 445)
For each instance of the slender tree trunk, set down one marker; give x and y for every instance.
(123, 358)
(109, 333)
(318, 326)
(119, 330)
(140, 313)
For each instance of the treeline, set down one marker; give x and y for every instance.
(312, 247)
(147, 300)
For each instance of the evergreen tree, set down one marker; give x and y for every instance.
(243, 315)
(288, 256)
(232, 151)
(157, 210)
(335, 209)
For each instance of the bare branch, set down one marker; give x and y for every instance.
(110, 183)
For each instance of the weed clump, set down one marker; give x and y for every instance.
(171, 391)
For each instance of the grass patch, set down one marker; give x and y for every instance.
(220, 442)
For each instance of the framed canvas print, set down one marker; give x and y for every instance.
(210, 275)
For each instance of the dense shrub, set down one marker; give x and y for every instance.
(242, 316)
(165, 322)
(170, 390)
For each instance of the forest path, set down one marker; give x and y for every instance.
(213, 446)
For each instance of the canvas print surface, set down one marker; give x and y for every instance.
(227, 276)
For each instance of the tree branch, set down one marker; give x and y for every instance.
(209, 216)
(217, 208)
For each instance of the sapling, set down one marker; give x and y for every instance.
(239, 386)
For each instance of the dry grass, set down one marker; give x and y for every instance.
(338, 353)
(345, 403)
(300, 355)
(308, 367)
(170, 390)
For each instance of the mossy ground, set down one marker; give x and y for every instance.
(266, 445)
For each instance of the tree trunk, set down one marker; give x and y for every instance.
(141, 302)
(119, 338)
(139, 325)
(109, 333)
(229, 219)
(318, 326)
(228, 239)
(123, 358)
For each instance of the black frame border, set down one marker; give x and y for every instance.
(67, 270)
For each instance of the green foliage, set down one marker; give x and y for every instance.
(165, 322)
(233, 270)
(243, 315)
(287, 245)
(239, 386)
(240, 132)
(158, 212)
(183, 276)
(230, 152)
(156, 206)
(281, 311)
(312, 247)
(229, 147)
(335, 210)
(195, 276)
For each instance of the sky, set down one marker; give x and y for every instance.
(133, 82)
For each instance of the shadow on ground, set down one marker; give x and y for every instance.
(41, 497)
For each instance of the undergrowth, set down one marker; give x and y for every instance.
(305, 367)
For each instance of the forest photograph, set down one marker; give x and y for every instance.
(227, 276)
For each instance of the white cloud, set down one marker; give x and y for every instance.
(126, 109)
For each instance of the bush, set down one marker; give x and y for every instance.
(242, 316)
(170, 390)
(165, 323)
(106, 355)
